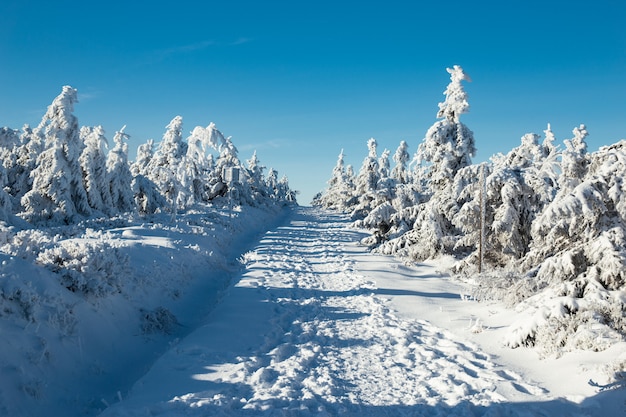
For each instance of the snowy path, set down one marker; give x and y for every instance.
(308, 331)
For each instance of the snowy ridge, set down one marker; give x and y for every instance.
(308, 330)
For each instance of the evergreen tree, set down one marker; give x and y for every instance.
(446, 149)
(163, 168)
(145, 152)
(449, 144)
(256, 181)
(93, 161)
(118, 171)
(401, 158)
(339, 192)
(366, 182)
(58, 193)
(574, 159)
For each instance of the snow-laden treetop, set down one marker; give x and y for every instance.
(455, 103)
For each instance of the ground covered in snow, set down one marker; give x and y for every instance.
(315, 325)
(86, 309)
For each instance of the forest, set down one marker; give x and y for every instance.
(540, 228)
(59, 173)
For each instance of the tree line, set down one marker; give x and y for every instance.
(60, 173)
(553, 217)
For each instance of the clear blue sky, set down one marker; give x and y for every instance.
(300, 80)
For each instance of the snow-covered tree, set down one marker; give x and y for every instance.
(118, 171)
(93, 161)
(574, 275)
(256, 180)
(145, 152)
(162, 169)
(147, 196)
(58, 193)
(339, 193)
(366, 182)
(446, 149)
(400, 171)
(574, 159)
(448, 145)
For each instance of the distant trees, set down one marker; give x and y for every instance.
(59, 173)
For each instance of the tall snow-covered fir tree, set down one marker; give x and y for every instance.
(448, 145)
(118, 171)
(401, 157)
(447, 148)
(162, 168)
(58, 193)
(93, 161)
(366, 181)
(145, 152)
(340, 190)
(574, 159)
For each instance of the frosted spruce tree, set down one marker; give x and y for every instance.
(446, 149)
(145, 152)
(118, 172)
(338, 195)
(256, 180)
(93, 161)
(401, 157)
(366, 181)
(58, 193)
(574, 159)
(163, 167)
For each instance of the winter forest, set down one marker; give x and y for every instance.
(58, 173)
(540, 228)
(189, 283)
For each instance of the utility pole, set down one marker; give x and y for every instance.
(481, 238)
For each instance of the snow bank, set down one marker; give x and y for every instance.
(85, 309)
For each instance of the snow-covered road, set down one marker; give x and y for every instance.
(312, 328)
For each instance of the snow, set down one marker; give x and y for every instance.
(316, 325)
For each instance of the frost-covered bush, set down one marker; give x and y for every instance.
(159, 320)
(27, 244)
(17, 298)
(93, 268)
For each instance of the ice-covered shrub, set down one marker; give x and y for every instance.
(93, 268)
(159, 320)
(26, 244)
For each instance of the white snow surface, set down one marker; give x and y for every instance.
(317, 326)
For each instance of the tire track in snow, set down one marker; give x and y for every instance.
(331, 346)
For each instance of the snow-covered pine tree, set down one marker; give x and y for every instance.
(574, 159)
(366, 181)
(148, 199)
(6, 205)
(449, 144)
(145, 152)
(50, 198)
(118, 172)
(256, 180)
(272, 183)
(58, 193)
(163, 166)
(192, 171)
(93, 162)
(447, 148)
(401, 157)
(338, 194)
(20, 162)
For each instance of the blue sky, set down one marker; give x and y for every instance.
(300, 80)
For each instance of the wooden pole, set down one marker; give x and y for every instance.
(481, 226)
